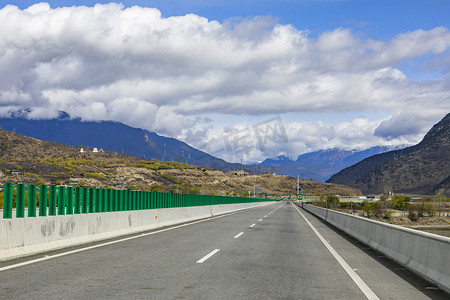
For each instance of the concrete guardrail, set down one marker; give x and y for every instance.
(27, 236)
(424, 253)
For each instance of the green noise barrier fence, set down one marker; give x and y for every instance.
(60, 200)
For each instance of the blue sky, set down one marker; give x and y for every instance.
(337, 73)
(381, 19)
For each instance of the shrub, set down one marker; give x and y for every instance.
(367, 208)
(333, 201)
(430, 209)
(95, 175)
(399, 202)
(170, 178)
(31, 174)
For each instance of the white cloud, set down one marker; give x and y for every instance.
(135, 66)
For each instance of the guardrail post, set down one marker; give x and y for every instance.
(20, 200)
(52, 200)
(43, 201)
(7, 200)
(69, 205)
(32, 200)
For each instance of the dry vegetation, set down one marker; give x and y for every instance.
(40, 162)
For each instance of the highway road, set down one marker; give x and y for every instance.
(274, 252)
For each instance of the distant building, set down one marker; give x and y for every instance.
(95, 150)
(81, 150)
(15, 172)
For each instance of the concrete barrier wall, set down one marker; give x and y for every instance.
(424, 253)
(26, 236)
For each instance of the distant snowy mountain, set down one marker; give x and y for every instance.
(321, 165)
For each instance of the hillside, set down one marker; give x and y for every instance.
(322, 164)
(52, 163)
(120, 138)
(421, 169)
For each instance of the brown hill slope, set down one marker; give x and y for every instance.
(52, 163)
(421, 169)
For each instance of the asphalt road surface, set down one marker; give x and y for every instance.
(274, 252)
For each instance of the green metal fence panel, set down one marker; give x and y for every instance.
(61, 200)
(105, 201)
(151, 200)
(43, 201)
(32, 200)
(144, 200)
(115, 200)
(91, 205)
(20, 200)
(137, 200)
(7, 200)
(156, 200)
(110, 200)
(121, 206)
(88, 200)
(99, 202)
(78, 200)
(166, 198)
(124, 200)
(52, 200)
(69, 205)
(85, 200)
(133, 200)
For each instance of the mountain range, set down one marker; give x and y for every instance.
(321, 165)
(420, 169)
(31, 161)
(120, 138)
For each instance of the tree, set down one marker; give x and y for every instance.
(440, 197)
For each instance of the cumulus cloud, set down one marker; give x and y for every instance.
(135, 66)
(407, 124)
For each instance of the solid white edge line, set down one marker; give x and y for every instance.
(238, 235)
(200, 261)
(252, 225)
(359, 282)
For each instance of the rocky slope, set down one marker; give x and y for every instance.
(52, 163)
(120, 138)
(421, 169)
